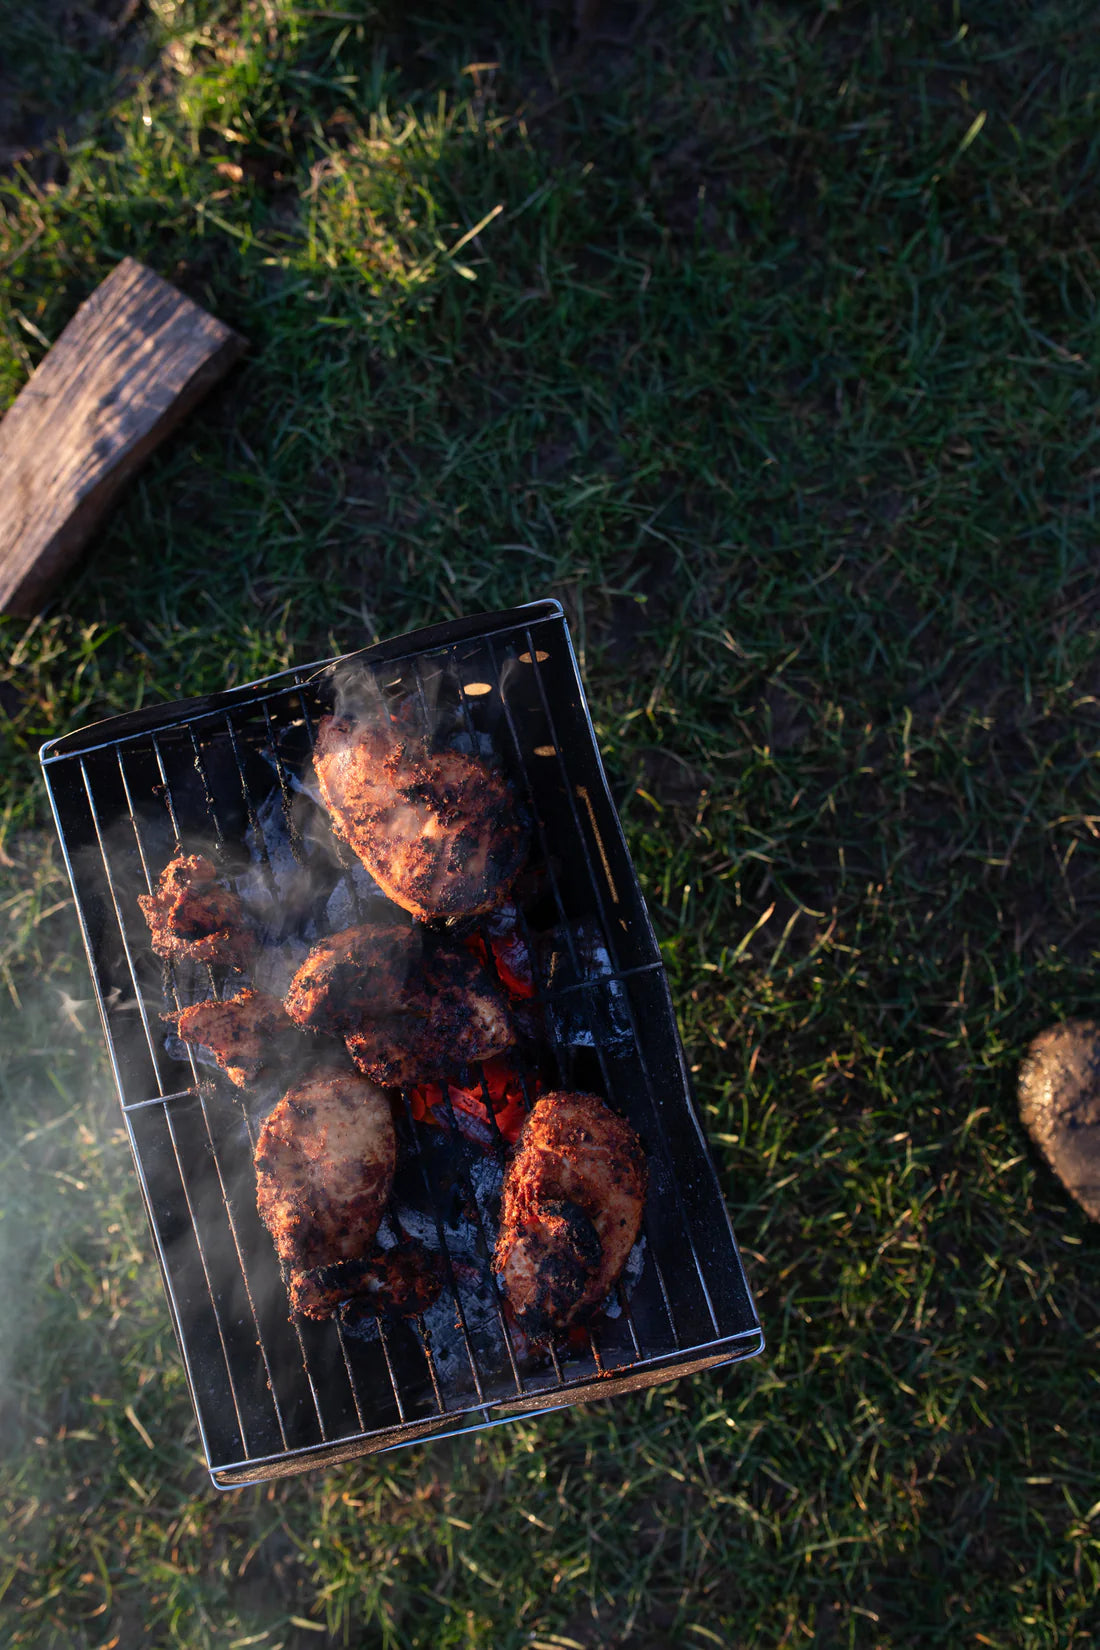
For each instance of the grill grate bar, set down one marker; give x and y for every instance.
(389, 1368)
(567, 930)
(160, 1100)
(578, 826)
(138, 996)
(204, 778)
(285, 792)
(429, 1358)
(171, 1129)
(173, 987)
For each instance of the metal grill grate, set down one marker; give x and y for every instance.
(228, 776)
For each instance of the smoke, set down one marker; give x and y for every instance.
(80, 1303)
(249, 800)
(443, 700)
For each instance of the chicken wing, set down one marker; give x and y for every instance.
(244, 1033)
(192, 916)
(440, 833)
(324, 1159)
(571, 1210)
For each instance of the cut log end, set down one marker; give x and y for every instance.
(132, 363)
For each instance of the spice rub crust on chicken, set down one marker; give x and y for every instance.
(408, 1013)
(324, 1160)
(192, 917)
(571, 1210)
(449, 1014)
(440, 833)
(244, 1033)
(356, 972)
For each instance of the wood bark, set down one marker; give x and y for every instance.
(132, 362)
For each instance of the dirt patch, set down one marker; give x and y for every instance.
(56, 56)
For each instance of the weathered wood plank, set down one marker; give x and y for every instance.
(132, 362)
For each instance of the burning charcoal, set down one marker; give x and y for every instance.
(1059, 1090)
(436, 1102)
(597, 1018)
(498, 941)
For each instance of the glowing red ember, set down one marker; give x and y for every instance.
(505, 1096)
(500, 935)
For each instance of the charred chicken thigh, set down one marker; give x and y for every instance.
(408, 1013)
(191, 916)
(571, 1210)
(356, 972)
(449, 1014)
(244, 1033)
(439, 832)
(325, 1159)
(397, 1283)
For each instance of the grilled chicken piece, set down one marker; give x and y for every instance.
(407, 1015)
(191, 916)
(324, 1167)
(244, 1033)
(394, 1283)
(448, 1014)
(570, 1211)
(440, 833)
(351, 974)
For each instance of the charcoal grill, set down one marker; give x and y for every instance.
(228, 775)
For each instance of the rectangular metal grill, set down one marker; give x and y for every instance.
(220, 775)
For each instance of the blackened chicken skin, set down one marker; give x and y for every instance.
(449, 1014)
(325, 1159)
(440, 833)
(396, 1283)
(244, 1033)
(408, 1013)
(348, 975)
(192, 917)
(571, 1210)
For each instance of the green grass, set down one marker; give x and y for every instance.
(777, 362)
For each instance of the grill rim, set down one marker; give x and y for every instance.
(428, 638)
(113, 734)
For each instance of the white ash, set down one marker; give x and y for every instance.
(345, 905)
